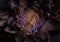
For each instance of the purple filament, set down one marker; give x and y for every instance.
(36, 26)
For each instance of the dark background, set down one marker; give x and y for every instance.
(54, 32)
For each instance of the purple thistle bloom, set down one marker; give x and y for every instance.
(37, 25)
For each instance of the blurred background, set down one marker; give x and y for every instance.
(51, 9)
